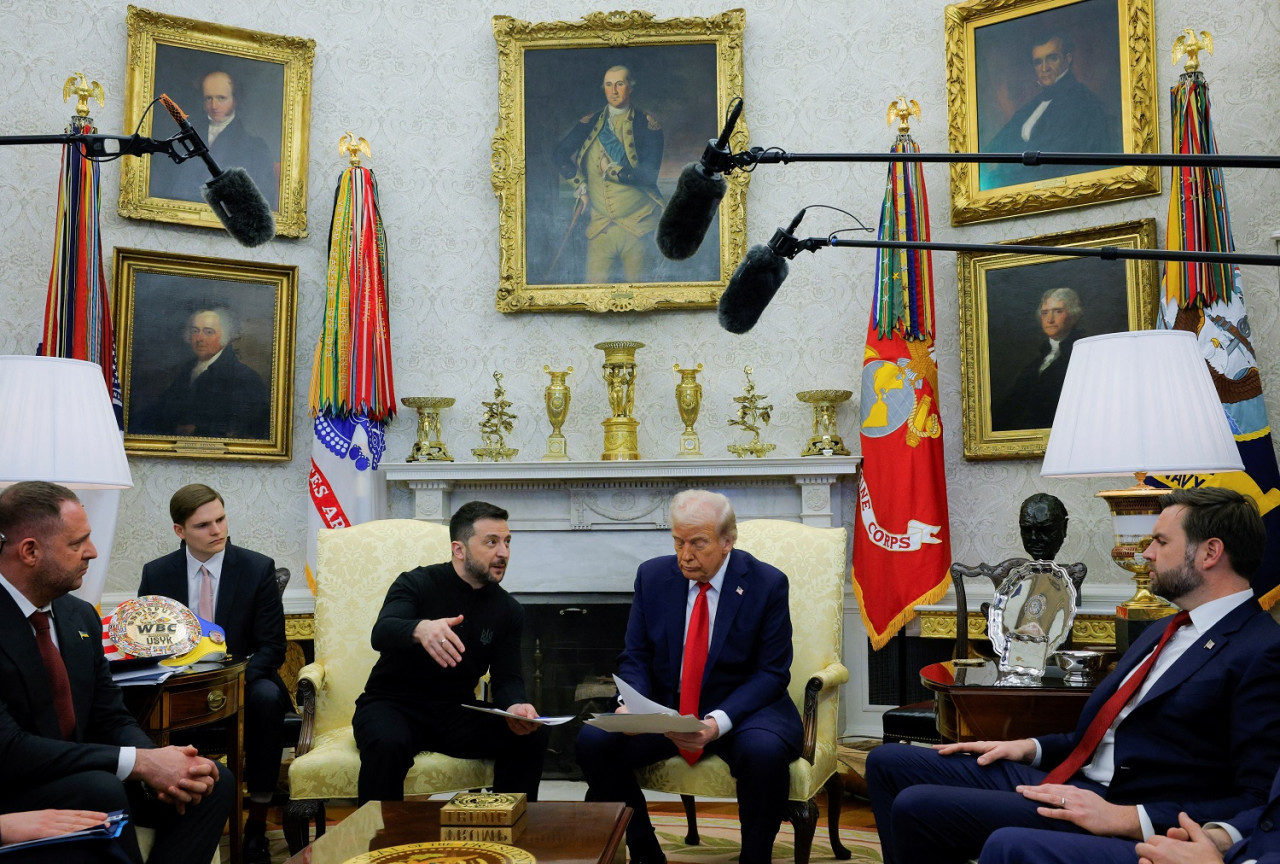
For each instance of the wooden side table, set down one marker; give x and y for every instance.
(190, 699)
(971, 707)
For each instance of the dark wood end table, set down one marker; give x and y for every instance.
(558, 832)
(971, 707)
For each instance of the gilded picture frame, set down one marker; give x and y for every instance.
(1023, 75)
(1010, 376)
(262, 86)
(205, 347)
(576, 225)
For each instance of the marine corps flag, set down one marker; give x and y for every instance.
(902, 539)
(352, 396)
(1208, 300)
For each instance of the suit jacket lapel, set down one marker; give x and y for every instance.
(19, 643)
(174, 577)
(76, 646)
(228, 584)
(674, 600)
(1208, 646)
(732, 595)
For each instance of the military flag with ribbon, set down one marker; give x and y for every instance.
(352, 396)
(1208, 300)
(77, 315)
(902, 540)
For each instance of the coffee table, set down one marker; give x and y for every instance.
(558, 832)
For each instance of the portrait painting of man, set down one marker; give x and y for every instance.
(234, 104)
(200, 359)
(1036, 314)
(1049, 81)
(607, 131)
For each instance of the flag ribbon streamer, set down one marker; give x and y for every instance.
(902, 299)
(1199, 219)
(351, 372)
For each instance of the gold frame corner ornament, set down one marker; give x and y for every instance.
(1142, 282)
(618, 30)
(147, 29)
(280, 279)
(1139, 116)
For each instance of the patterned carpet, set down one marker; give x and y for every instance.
(720, 841)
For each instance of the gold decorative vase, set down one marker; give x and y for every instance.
(826, 440)
(689, 402)
(620, 439)
(557, 397)
(429, 447)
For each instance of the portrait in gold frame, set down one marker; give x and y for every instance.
(1097, 62)
(1009, 382)
(245, 410)
(269, 78)
(684, 73)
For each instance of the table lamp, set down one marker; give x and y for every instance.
(57, 424)
(1137, 403)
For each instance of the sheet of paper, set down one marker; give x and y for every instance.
(644, 715)
(642, 723)
(545, 721)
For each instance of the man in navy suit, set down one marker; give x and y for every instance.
(1201, 735)
(750, 720)
(66, 739)
(243, 597)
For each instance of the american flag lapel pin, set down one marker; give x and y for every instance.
(740, 591)
(1209, 644)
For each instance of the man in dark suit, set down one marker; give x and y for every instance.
(66, 739)
(230, 145)
(1033, 399)
(741, 696)
(1200, 734)
(236, 589)
(1065, 116)
(212, 395)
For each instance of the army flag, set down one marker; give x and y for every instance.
(1208, 300)
(902, 540)
(352, 397)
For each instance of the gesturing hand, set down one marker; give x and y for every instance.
(436, 636)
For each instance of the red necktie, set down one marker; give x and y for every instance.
(1083, 751)
(695, 661)
(59, 684)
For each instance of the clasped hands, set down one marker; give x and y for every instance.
(178, 775)
(1066, 803)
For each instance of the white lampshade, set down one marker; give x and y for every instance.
(1139, 401)
(57, 424)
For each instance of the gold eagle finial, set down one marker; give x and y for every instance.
(351, 147)
(83, 90)
(1189, 45)
(902, 108)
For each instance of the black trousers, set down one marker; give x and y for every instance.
(190, 838)
(758, 759)
(265, 704)
(390, 733)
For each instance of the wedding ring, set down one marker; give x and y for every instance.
(444, 641)
(1064, 802)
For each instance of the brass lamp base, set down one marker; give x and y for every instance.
(1133, 516)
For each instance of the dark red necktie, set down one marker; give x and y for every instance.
(695, 661)
(1083, 751)
(59, 684)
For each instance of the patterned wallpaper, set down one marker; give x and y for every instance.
(419, 81)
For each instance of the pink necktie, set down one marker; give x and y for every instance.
(206, 593)
(695, 662)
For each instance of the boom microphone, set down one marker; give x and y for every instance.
(757, 279)
(697, 196)
(232, 194)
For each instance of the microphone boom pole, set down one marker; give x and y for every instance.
(1030, 158)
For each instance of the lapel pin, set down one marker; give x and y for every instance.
(740, 591)
(83, 635)
(1209, 644)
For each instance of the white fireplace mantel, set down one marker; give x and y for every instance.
(617, 509)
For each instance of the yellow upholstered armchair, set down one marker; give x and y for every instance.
(816, 567)
(355, 567)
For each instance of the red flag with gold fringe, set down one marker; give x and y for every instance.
(902, 541)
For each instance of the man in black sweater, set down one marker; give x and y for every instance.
(440, 628)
